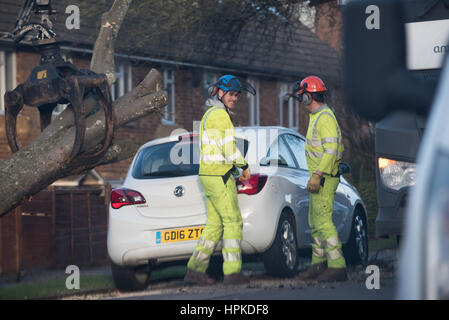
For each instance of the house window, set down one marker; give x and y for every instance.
(254, 103)
(169, 87)
(123, 81)
(7, 75)
(288, 111)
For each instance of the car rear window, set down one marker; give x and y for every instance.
(172, 159)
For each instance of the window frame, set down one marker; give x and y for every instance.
(120, 84)
(4, 75)
(293, 108)
(254, 103)
(169, 119)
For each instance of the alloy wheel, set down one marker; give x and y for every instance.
(288, 244)
(361, 239)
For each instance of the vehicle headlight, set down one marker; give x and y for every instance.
(396, 174)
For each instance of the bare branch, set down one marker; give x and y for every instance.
(103, 57)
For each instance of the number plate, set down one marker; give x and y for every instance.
(176, 235)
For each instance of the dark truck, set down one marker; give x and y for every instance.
(397, 88)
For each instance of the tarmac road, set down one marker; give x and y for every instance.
(263, 287)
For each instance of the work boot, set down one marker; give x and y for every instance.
(235, 278)
(333, 274)
(313, 271)
(195, 277)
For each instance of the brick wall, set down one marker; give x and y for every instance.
(28, 124)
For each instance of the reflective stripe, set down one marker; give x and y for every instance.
(334, 254)
(232, 256)
(314, 143)
(314, 154)
(212, 157)
(207, 244)
(201, 256)
(331, 151)
(208, 113)
(318, 242)
(235, 156)
(226, 140)
(217, 144)
(231, 243)
(332, 242)
(318, 143)
(206, 140)
(329, 140)
(318, 252)
(314, 132)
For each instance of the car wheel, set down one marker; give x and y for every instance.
(356, 250)
(281, 259)
(131, 278)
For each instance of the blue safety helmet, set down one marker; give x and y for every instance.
(230, 83)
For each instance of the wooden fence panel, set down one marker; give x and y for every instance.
(62, 230)
(99, 227)
(80, 229)
(54, 229)
(36, 231)
(8, 257)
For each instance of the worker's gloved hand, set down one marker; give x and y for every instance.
(245, 175)
(313, 186)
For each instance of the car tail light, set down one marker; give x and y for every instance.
(253, 185)
(125, 197)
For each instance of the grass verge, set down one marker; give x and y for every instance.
(54, 287)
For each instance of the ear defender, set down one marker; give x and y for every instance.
(213, 90)
(306, 98)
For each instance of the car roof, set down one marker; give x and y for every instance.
(240, 131)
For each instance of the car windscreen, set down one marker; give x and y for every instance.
(172, 159)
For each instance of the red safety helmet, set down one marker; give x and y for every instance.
(301, 91)
(309, 84)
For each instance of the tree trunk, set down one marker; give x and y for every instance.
(44, 161)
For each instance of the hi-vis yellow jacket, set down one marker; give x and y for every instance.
(218, 148)
(324, 145)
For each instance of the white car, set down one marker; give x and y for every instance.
(158, 214)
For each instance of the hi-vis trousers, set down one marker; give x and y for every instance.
(223, 220)
(326, 244)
